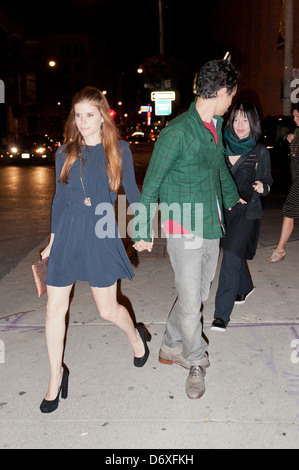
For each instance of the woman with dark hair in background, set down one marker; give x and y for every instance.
(250, 165)
(89, 169)
(290, 208)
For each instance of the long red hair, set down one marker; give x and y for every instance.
(109, 135)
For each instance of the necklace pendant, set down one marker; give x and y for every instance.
(87, 201)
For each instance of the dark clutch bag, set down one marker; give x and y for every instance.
(39, 270)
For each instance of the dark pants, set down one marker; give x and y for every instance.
(234, 279)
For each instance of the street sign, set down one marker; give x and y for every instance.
(163, 95)
(163, 107)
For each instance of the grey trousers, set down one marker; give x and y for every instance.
(194, 261)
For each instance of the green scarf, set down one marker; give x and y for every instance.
(236, 146)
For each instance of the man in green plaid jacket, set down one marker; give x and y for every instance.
(188, 175)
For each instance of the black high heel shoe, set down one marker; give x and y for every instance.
(145, 336)
(48, 406)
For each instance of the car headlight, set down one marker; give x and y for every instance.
(40, 150)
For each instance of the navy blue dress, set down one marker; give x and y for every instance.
(87, 245)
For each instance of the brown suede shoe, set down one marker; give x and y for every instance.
(171, 356)
(195, 383)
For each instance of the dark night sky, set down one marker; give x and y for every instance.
(130, 27)
(130, 30)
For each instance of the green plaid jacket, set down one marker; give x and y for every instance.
(189, 169)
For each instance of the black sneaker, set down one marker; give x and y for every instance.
(240, 299)
(218, 325)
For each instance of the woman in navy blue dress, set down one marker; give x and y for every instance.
(84, 242)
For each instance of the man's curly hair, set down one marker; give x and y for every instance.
(215, 75)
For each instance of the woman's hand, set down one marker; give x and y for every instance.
(258, 187)
(46, 251)
(290, 138)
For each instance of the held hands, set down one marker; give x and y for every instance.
(143, 245)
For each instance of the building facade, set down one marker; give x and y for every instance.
(250, 31)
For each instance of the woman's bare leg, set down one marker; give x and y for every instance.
(286, 231)
(109, 309)
(57, 307)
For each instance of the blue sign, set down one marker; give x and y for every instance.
(163, 107)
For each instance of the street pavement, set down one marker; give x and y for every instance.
(252, 386)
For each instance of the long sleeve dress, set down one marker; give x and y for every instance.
(87, 245)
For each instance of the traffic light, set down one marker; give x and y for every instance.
(112, 113)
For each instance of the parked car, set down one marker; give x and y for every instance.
(32, 148)
(274, 136)
(138, 137)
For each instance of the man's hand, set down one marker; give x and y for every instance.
(240, 201)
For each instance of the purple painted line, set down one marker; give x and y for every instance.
(22, 328)
(290, 374)
(249, 325)
(6, 318)
(13, 324)
(268, 355)
(294, 332)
